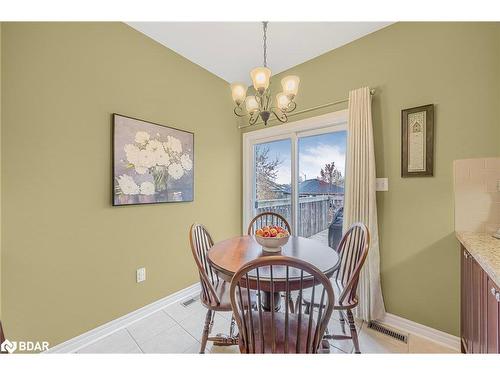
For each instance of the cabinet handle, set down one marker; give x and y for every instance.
(465, 254)
(497, 296)
(493, 291)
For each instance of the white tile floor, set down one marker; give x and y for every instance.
(177, 329)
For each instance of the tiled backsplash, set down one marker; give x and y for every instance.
(477, 195)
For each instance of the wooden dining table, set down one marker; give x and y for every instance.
(228, 256)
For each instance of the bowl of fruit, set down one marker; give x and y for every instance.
(272, 238)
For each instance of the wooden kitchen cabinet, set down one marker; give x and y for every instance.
(480, 311)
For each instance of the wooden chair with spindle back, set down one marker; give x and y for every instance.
(214, 291)
(273, 331)
(353, 250)
(2, 337)
(270, 218)
(267, 218)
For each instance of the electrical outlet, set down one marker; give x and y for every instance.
(382, 184)
(498, 185)
(141, 274)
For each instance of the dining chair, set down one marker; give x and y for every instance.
(353, 250)
(270, 218)
(2, 338)
(273, 331)
(214, 291)
(265, 219)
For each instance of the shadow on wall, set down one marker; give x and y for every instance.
(419, 272)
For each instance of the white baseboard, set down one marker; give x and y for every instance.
(415, 328)
(87, 338)
(96, 334)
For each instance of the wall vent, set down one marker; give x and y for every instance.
(188, 302)
(388, 331)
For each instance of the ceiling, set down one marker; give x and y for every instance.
(231, 49)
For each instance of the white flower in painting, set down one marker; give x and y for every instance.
(145, 159)
(142, 137)
(186, 162)
(127, 185)
(131, 151)
(161, 157)
(154, 145)
(147, 188)
(140, 170)
(173, 144)
(175, 171)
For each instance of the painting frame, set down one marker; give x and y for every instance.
(421, 154)
(114, 151)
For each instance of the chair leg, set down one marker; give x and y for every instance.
(342, 321)
(206, 330)
(290, 303)
(231, 327)
(307, 309)
(354, 333)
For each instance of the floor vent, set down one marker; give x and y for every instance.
(188, 302)
(388, 331)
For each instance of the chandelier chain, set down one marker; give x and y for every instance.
(264, 25)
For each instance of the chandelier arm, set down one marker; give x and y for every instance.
(253, 117)
(280, 115)
(238, 111)
(291, 106)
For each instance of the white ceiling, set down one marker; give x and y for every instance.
(231, 49)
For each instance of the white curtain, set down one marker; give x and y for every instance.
(360, 201)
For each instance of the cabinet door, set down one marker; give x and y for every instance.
(492, 317)
(464, 301)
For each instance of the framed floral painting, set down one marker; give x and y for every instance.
(152, 163)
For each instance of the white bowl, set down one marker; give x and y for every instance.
(272, 244)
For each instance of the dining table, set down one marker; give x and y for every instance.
(229, 255)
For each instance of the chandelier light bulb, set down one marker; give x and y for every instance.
(290, 86)
(239, 92)
(251, 104)
(260, 78)
(282, 101)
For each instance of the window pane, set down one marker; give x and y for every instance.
(272, 185)
(321, 187)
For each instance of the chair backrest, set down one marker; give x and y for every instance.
(267, 218)
(353, 249)
(267, 331)
(201, 242)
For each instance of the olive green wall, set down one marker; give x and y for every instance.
(456, 67)
(69, 257)
(0, 170)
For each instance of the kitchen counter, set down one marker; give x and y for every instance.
(485, 249)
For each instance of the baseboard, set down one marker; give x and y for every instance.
(96, 334)
(405, 325)
(87, 338)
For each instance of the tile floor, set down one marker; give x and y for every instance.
(177, 329)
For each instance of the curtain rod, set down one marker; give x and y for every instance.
(372, 92)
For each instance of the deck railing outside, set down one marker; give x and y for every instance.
(315, 212)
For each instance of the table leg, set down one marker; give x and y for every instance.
(266, 301)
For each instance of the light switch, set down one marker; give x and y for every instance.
(382, 184)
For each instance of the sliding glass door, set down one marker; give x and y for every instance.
(272, 178)
(321, 172)
(300, 175)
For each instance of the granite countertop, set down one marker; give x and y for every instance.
(486, 251)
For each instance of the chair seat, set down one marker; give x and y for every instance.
(222, 292)
(279, 329)
(337, 292)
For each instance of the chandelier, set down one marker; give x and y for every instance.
(261, 105)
